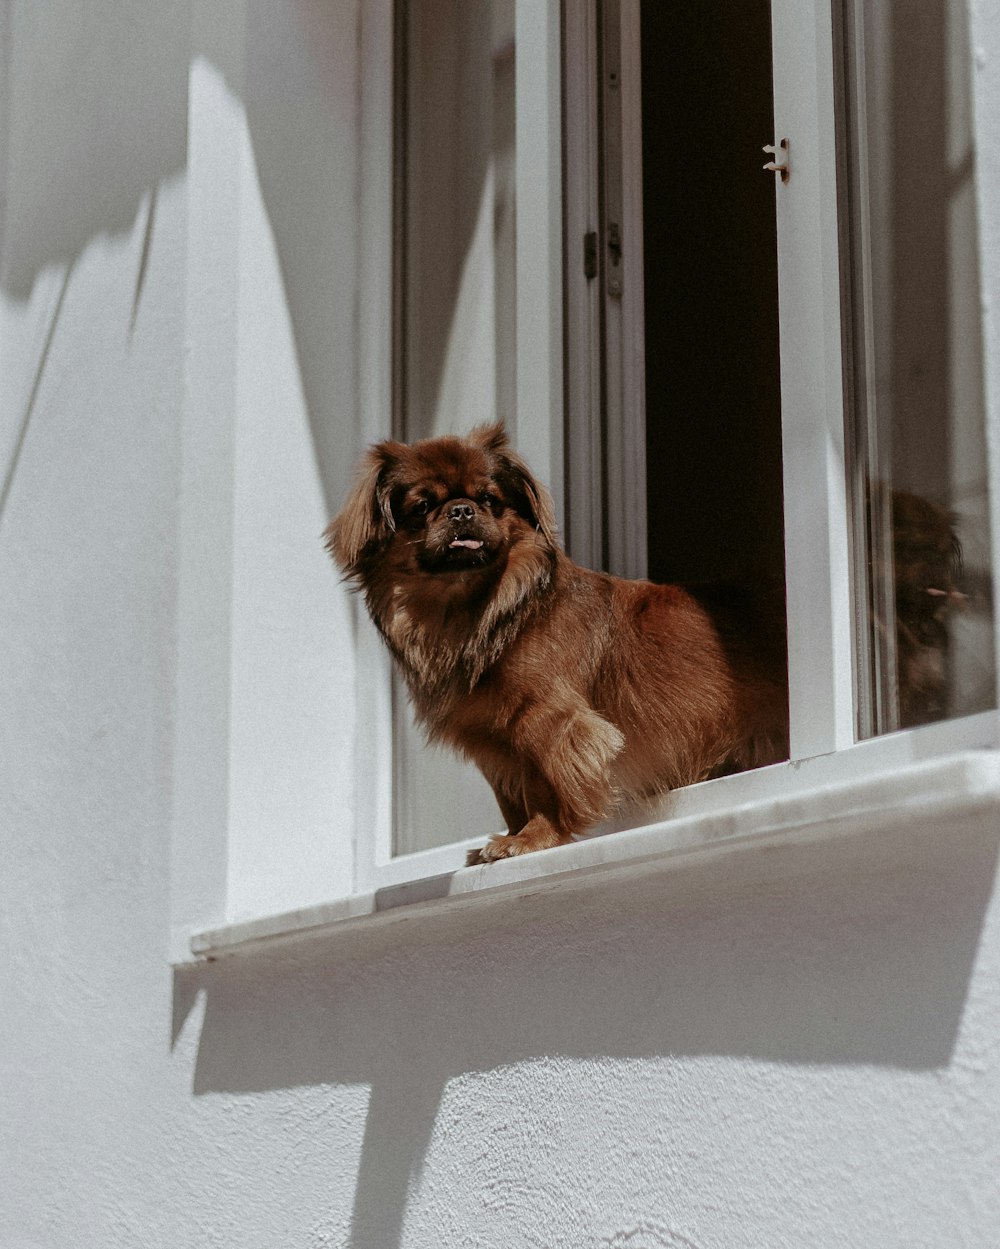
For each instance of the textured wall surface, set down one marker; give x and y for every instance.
(790, 1050)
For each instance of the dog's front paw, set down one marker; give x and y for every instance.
(537, 834)
(499, 846)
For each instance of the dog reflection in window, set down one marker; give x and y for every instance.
(927, 569)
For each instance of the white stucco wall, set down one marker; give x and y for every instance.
(795, 1049)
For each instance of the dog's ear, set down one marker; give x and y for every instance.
(517, 479)
(365, 520)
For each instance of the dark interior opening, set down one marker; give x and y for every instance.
(713, 416)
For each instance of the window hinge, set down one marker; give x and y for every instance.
(590, 255)
(614, 258)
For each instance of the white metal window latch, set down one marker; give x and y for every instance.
(778, 149)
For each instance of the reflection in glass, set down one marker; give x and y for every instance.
(454, 333)
(455, 209)
(919, 477)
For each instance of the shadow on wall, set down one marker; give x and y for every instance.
(836, 953)
(301, 111)
(93, 120)
(95, 101)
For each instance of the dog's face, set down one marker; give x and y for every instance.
(452, 511)
(927, 558)
(440, 507)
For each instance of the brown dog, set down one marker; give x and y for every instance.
(569, 689)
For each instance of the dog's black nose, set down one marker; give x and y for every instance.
(461, 511)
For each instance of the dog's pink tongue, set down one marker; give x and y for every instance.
(473, 544)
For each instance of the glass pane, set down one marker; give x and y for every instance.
(455, 308)
(923, 591)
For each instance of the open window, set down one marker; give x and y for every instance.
(914, 355)
(560, 216)
(766, 376)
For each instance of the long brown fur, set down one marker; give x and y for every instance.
(569, 689)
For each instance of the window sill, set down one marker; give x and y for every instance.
(910, 799)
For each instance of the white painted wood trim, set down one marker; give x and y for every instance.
(820, 664)
(984, 23)
(373, 767)
(626, 322)
(584, 520)
(913, 799)
(606, 451)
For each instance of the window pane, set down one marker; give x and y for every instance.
(456, 265)
(923, 592)
(454, 350)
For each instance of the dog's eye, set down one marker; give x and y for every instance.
(492, 501)
(414, 513)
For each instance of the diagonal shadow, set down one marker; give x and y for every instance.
(401, 1114)
(146, 247)
(36, 384)
(297, 142)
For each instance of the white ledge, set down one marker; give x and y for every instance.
(914, 798)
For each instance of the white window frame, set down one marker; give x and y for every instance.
(817, 527)
(832, 783)
(605, 415)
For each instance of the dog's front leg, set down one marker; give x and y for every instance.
(567, 754)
